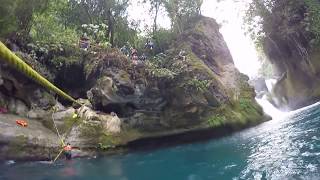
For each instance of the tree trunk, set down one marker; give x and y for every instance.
(155, 19)
(110, 30)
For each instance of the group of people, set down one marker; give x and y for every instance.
(84, 43)
(129, 51)
(133, 53)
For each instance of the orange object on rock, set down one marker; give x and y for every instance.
(22, 123)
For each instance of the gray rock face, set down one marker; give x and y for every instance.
(152, 103)
(34, 142)
(259, 84)
(18, 107)
(109, 123)
(20, 94)
(290, 48)
(38, 114)
(62, 115)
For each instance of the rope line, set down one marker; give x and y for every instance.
(9, 57)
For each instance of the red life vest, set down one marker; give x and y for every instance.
(67, 148)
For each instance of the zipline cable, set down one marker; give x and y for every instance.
(9, 57)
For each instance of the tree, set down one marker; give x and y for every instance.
(84, 12)
(155, 6)
(112, 10)
(53, 26)
(181, 12)
(20, 13)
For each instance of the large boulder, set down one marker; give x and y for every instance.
(194, 81)
(62, 115)
(110, 123)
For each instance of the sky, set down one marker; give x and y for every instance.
(140, 11)
(229, 14)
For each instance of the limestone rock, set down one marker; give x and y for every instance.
(112, 124)
(38, 114)
(32, 143)
(18, 107)
(62, 115)
(294, 57)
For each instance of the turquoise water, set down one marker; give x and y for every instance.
(279, 149)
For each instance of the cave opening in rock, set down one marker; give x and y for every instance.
(72, 79)
(122, 110)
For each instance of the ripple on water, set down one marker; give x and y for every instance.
(277, 150)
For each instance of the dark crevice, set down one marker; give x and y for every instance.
(122, 110)
(71, 78)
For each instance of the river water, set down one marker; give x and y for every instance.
(286, 148)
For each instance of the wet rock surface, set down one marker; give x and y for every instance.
(291, 49)
(34, 142)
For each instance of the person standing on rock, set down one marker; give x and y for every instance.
(84, 42)
(134, 56)
(67, 151)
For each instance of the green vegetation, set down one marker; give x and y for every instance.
(16, 16)
(314, 19)
(181, 12)
(197, 85)
(216, 121)
(61, 23)
(263, 17)
(239, 113)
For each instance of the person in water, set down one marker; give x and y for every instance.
(67, 151)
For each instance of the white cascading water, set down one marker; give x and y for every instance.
(267, 106)
(270, 84)
(269, 109)
(230, 15)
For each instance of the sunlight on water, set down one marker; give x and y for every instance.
(282, 149)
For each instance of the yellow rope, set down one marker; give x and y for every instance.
(55, 126)
(57, 156)
(9, 57)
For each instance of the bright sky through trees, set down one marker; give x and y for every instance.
(229, 14)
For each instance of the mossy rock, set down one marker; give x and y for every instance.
(17, 145)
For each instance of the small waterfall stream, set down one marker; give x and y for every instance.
(268, 107)
(230, 15)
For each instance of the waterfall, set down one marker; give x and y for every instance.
(270, 84)
(230, 15)
(269, 108)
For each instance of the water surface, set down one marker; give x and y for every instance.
(287, 148)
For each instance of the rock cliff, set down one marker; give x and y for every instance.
(291, 45)
(194, 85)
